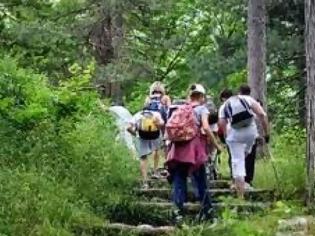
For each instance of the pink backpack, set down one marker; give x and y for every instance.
(181, 126)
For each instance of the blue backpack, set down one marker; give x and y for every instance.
(155, 104)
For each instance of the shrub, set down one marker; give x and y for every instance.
(30, 200)
(24, 96)
(286, 170)
(60, 162)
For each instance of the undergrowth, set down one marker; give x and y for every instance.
(284, 169)
(60, 164)
(260, 224)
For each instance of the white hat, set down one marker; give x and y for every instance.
(197, 88)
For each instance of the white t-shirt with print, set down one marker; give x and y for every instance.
(238, 134)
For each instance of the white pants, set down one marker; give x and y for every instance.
(239, 152)
(240, 142)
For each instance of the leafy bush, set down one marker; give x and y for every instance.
(286, 170)
(263, 224)
(24, 96)
(30, 200)
(61, 165)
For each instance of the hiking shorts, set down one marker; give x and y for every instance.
(238, 151)
(147, 147)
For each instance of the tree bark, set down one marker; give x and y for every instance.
(256, 54)
(310, 70)
(257, 49)
(106, 38)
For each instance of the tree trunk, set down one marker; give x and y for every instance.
(256, 54)
(106, 38)
(310, 69)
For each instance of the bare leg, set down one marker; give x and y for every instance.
(156, 157)
(144, 169)
(240, 187)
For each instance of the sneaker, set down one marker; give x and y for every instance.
(233, 187)
(248, 187)
(155, 176)
(213, 223)
(164, 173)
(208, 216)
(178, 218)
(145, 186)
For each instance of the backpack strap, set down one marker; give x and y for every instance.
(228, 110)
(244, 104)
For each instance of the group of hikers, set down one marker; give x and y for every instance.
(190, 132)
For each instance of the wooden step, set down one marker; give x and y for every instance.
(193, 208)
(141, 229)
(165, 193)
(113, 229)
(162, 182)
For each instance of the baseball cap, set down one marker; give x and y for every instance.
(197, 88)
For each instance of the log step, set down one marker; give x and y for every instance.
(193, 208)
(113, 229)
(141, 229)
(165, 193)
(155, 183)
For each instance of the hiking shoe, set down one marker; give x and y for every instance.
(208, 216)
(155, 176)
(248, 187)
(233, 187)
(145, 186)
(178, 218)
(164, 173)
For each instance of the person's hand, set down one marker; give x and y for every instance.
(132, 131)
(260, 140)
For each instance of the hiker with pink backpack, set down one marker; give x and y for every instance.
(188, 130)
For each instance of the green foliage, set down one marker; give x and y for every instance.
(286, 170)
(255, 225)
(59, 159)
(25, 97)
(135, 101)
(129, 212)
(30, 201)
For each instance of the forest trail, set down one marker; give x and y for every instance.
(157, 199)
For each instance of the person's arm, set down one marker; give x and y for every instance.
(262, 116)
(206, 128)
(223, 121)
(159, 122)
(223, 125)
(132, 129)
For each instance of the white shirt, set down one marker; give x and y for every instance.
(233, 134)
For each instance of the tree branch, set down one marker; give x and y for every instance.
(173, 62)
(73, 12)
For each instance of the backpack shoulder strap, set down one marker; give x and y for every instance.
(228, 110)
(244, 103)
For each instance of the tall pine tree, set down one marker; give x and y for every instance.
(310, 68)
(256, 54)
